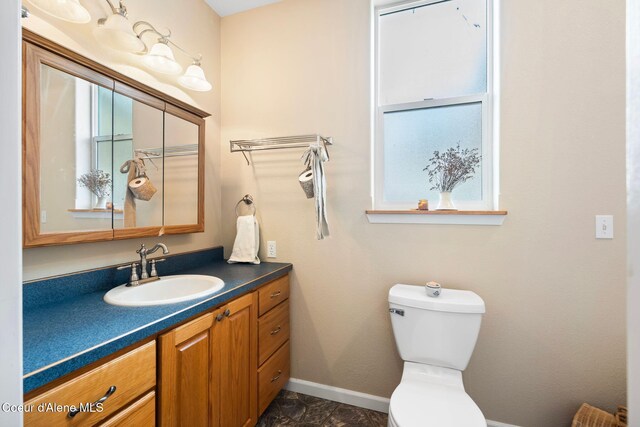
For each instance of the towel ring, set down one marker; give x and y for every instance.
(247, 200)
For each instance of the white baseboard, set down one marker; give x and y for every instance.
(350, 397)
(499, 424)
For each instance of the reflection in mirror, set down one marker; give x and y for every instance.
(137, 166)
(180, 171)
(75, 173)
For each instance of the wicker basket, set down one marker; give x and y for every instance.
(590, 416)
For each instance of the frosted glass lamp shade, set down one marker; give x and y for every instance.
(117, 33)
(194, 79)
(67, 10)
(160, 58)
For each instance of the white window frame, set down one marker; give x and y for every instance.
(489, 142)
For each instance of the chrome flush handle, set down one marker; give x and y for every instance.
(396, 311)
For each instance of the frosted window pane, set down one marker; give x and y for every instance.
(411, 137)
(434, 51)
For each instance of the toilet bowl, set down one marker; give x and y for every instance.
(435, 337)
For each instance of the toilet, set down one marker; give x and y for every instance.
(435, 337)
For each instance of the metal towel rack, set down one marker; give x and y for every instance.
(299, 141)
(170, 151)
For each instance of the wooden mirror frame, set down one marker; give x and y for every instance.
(38, 50)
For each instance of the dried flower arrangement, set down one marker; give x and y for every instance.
(96, 181)
(451, 168)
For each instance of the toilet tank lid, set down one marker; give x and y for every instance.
(450, 300)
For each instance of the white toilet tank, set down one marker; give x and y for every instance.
(439, 331)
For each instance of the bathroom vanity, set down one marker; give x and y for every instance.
(216, 361)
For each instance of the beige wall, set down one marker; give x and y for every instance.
(554, 332)
(633, 210)
(197, 28)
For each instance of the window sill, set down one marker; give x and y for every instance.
(96, 213)
(436, 217)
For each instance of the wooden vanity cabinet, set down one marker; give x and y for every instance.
(221, 369)
(207, 369)
(274, 357)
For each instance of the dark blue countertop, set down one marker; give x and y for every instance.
(67, 325)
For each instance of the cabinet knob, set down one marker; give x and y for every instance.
(227, 313)
(219, 317)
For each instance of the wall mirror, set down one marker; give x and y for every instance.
(104, 157)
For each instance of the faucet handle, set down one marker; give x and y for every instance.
(133, 279)
(124, 267)
(142, 249)
(154, 272)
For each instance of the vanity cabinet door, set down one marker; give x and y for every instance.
(236, 366)
(208, 366)
(184, 135)
(186, 372)
(138, 166)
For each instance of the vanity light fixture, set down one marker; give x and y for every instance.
(160, 58)
(116, 32)
(66, 10)
(194, 78)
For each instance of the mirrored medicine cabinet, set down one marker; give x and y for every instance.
(104, 156)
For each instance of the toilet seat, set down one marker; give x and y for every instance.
(431, 396)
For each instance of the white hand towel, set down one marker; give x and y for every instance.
(245, 248)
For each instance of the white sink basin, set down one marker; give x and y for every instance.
(167, 290)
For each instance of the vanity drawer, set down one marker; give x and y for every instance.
(132, 374)
(142, 412)
(273, 331)
(272, 376)
(272, 294)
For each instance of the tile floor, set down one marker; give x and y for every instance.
(300, 410)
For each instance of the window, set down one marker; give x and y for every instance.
(98, 146)
(121, 138)
(433, 91)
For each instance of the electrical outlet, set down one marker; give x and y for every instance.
(604, 226)
(271, 249)
(43, 217)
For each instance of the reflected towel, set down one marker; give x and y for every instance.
(129, 167)
(247, 243)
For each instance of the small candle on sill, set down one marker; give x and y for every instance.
(423, 205)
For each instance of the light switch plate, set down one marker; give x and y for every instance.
(604, 226)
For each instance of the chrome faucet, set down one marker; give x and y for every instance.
(143, 252)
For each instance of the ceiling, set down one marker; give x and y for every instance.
(229, 7)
